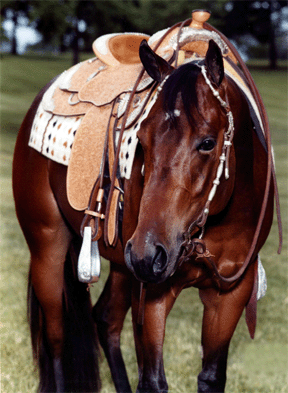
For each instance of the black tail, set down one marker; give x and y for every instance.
(80, 354)
(80, 350)
(41, 351)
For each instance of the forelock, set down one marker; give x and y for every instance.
(183, 81)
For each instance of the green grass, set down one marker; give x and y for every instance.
(258, 366)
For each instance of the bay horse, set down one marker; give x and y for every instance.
(185, 223)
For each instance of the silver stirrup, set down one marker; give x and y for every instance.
(89, 263)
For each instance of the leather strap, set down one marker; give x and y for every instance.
(264, 117)
(95, 214)
(92, 215)
(270, 176)
(141, 309)
(111, 226)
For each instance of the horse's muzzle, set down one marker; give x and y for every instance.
(150, 265)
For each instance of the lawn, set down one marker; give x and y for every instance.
(258, 366)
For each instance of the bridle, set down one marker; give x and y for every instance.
(196, 246)
(192, 246)
(227, 143)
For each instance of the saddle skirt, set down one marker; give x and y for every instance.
(74, 115)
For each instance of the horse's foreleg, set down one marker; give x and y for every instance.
(149, 337)
(222, 312)
(109, 314)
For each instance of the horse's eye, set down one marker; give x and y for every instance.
(207, 145)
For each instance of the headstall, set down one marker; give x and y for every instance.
(227, 143)
(197, 246)
(192, 246)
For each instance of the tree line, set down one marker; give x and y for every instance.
(74, 24)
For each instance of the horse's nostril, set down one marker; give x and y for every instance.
(160, 260)
(147, 263)
(127, 253)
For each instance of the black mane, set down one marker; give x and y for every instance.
(182, 80)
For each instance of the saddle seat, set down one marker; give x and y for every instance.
(119, 48)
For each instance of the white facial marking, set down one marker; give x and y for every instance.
(177, 113)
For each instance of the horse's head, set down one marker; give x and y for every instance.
(183, 140)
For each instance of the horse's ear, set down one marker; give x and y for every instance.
(214, 63)
(155, 65)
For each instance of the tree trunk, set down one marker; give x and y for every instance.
(14, 39)
(272, 40)
(62, 47)
(75, 45)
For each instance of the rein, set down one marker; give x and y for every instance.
(264, 117)
(197, 245)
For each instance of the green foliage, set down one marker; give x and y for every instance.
(21, 6)
(59, 20)
(258, 367)
(258, 19)
(251, 17)
(50, 18)
(14, 10)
